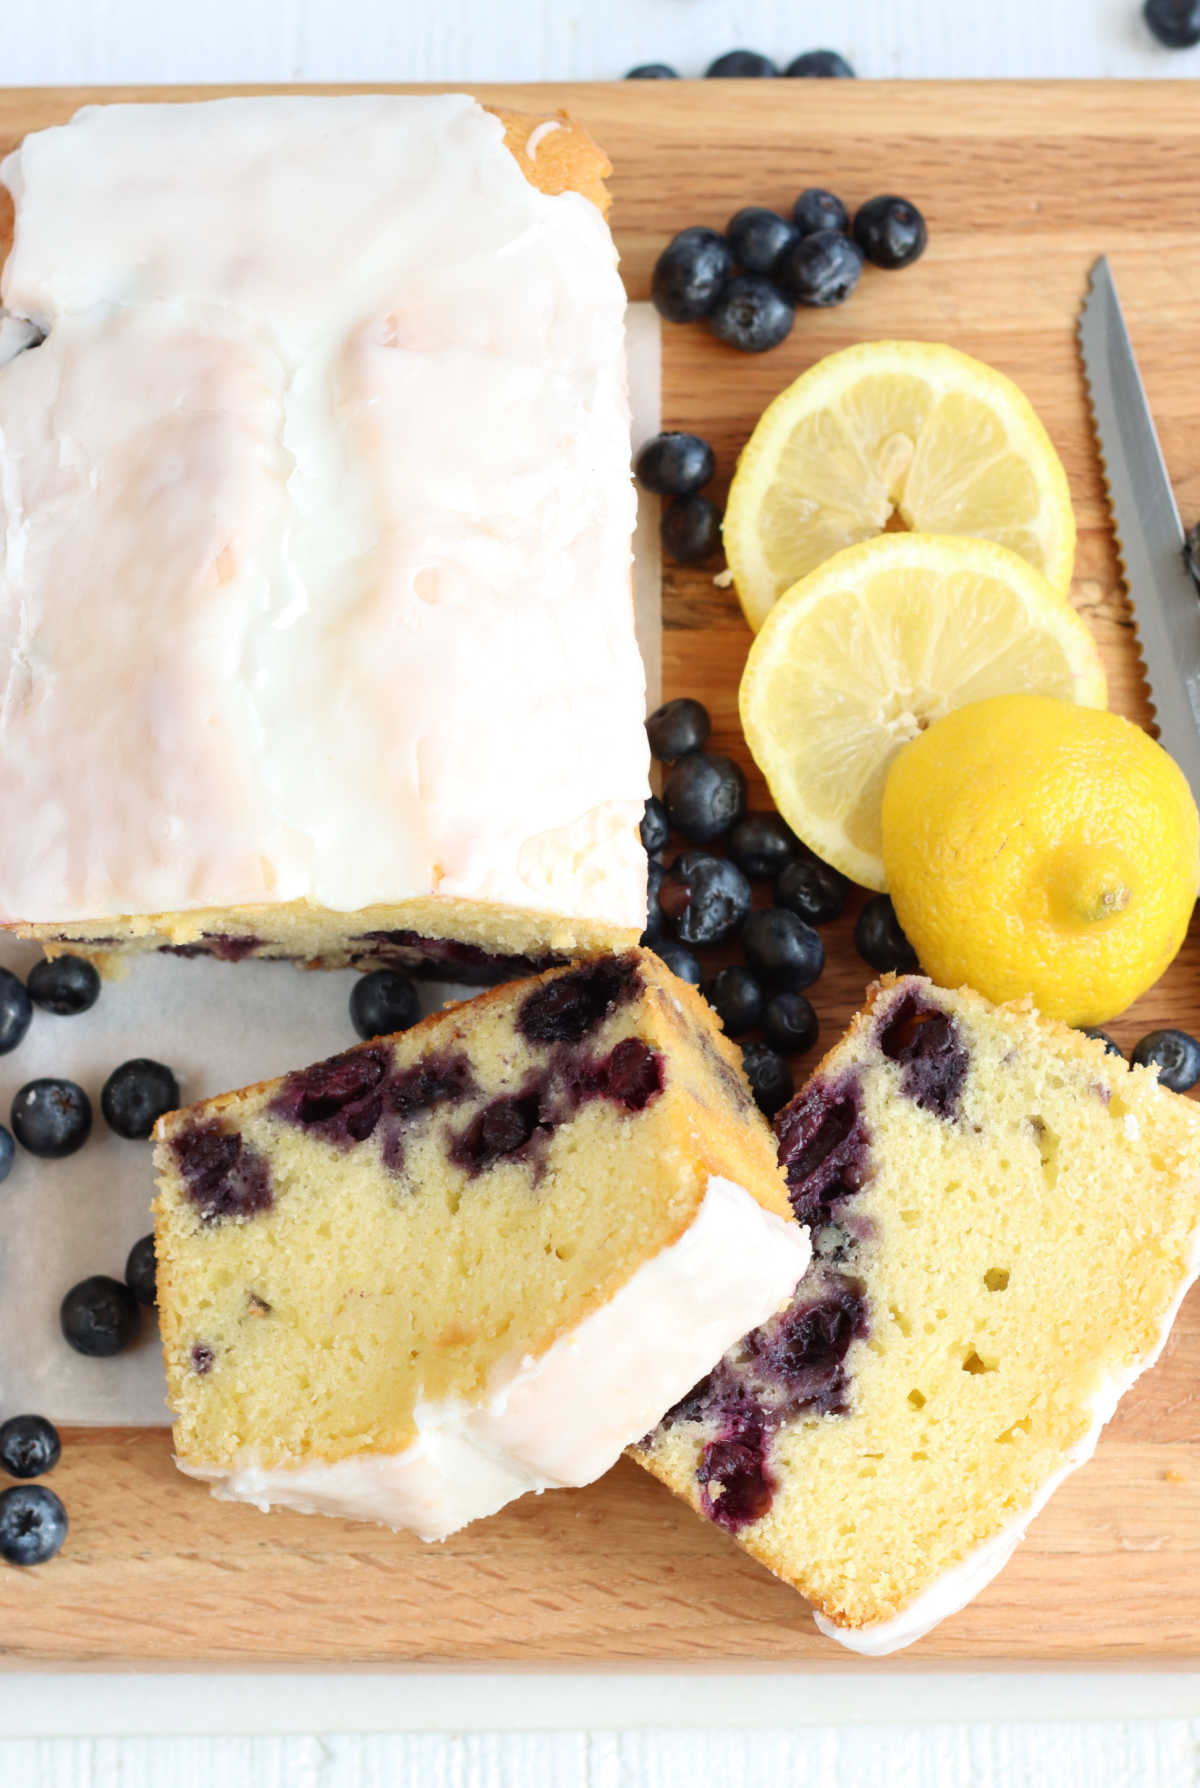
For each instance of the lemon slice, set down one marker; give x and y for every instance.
(906, 428)
(869, 650)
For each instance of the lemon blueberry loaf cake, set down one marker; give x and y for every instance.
(315, 505)
(475, 1259)
(1005, 1220)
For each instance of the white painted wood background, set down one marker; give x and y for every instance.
(84, 41)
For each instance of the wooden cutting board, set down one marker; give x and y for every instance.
(1022, 186)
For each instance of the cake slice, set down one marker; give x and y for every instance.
(315, 503)
(479, 1258)
(1005, 1220)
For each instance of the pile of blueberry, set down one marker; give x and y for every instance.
(677, 466)
(702, 899)
(752, 65)
(33, 1521)
(746, 283)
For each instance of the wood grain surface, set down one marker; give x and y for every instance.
(1022, 186)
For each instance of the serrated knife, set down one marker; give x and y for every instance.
(1149, 534)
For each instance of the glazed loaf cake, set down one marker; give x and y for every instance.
(1005, 1220)
(479, 1258)
(315, 508)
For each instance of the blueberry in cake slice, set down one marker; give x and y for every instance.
(470, 1260)
(1005, 1219)
(259, 526)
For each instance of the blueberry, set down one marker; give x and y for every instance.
(654, 912)
(679, 959)
(16, 1010)
(736, 997)
(135, 1095)
(740, 65)
(99, 1316)
(29, 1446)
(769, 1076)
(820, 65)
(51, 1117)
(762, 844)
(690, 529)
(751, 314)
(880, 941)
(890, 231)
(817, 209)
(653, 71)
(382, 1002)
(1111, 1046)
(675, 464)
(655, 828)
(821, 269)
(1175, 23)
(708, 897)
(7, 1151)
(689, 273)
(677, 728)
(65, 984)
(33, 1524)
(781, 948)
(812, 890)
(704, 795)
(141, 1271)
(757, 237)
(1175, 1054)
(789, 1023)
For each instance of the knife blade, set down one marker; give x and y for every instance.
(1149, 534)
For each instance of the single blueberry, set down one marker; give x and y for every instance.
(1176, 1055)
(1175, 23)
(655, 828)
(33, 1524)
(64, 984)
(751, 314)
(816, 209)
(736, 997)
(821, 269)
(566, 1008)
(789, 1023)
(51, 1118)
(880, 941)
(675, 464)
(769, 1076)
(16, 1010)
(677, 728)
(382, 1002)
(689, 273)
(762, 844)
(741, 65)
(708, 897)
(704, 795)
(690, 529)
(679, 959)
(29, 1446)
(654, 913)
(7, 1151)
(757, 237)
(633, 1074)
(1111, 1046)
(141, 1271)
(812, 890)
(99, 1316)
(890, 231)
(782, 949)
(136, 1095)
(653, 71)
(820, 65)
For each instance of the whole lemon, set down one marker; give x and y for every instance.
(1034, 846)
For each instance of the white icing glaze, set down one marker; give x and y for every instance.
(315, 519)
(538, 135)
(566, 1416)
(963, 1582)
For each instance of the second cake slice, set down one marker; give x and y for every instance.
(417, 1280)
